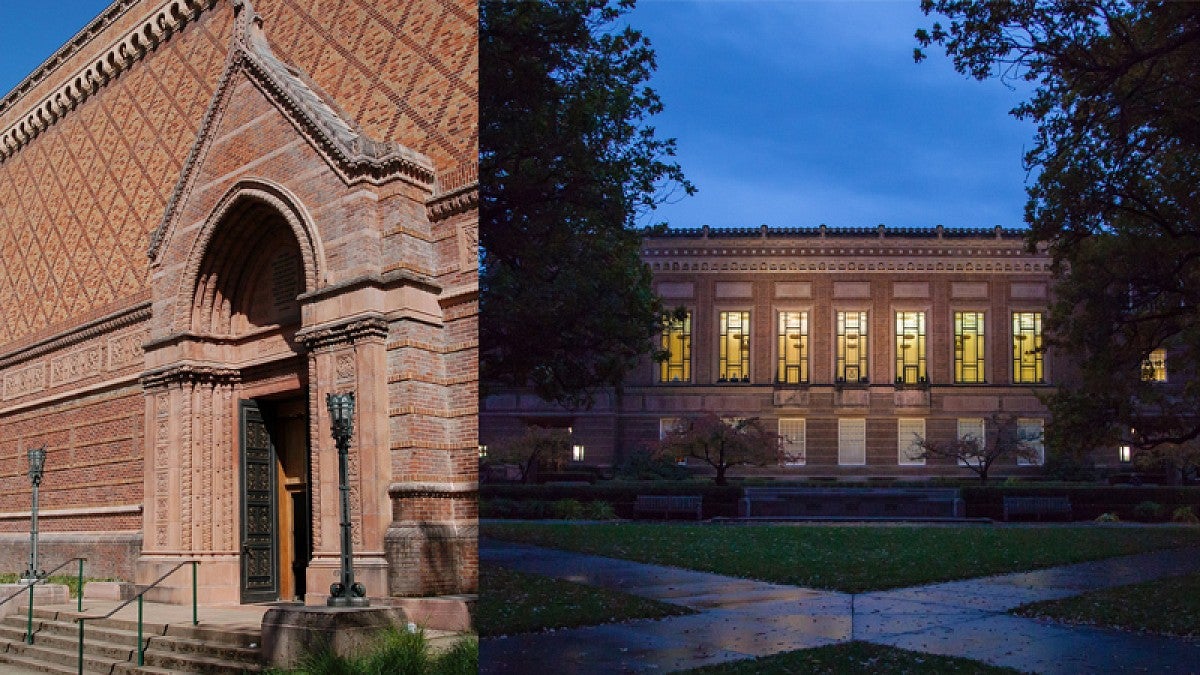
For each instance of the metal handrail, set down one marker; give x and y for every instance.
(141, 650)
(34, 582)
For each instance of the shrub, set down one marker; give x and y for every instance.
(645, 465)
(600, 511)
(497, 508)
(394, 652)
(1107, 518)
(1148, 512)
(567, 509)
(1185, 514)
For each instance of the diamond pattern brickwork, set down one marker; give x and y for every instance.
(78, 202)
(404, 70)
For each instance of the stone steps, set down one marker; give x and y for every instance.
(110, 646)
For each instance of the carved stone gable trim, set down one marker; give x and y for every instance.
(354, 156)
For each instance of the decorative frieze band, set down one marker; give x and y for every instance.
(96, 357)
(130, 48)
(446, 490)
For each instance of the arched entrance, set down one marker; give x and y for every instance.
(230, 469)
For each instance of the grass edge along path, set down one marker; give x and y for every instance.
(518, 602)
(852, 657)
(1169, 606)
(847, 558)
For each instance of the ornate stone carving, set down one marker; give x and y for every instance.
(468, 245)
(189, 372)
(125, 350)
(344, 369)
(452, 202)
(75, 366)
(25, 381)
(345, 333)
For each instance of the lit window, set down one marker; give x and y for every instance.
(1027, 348)
(1154, 368)
(972, 429)
(791, 434)
(577, 453)
(851, 347)
(677, 343)
(669, 425)
(909, 434)
(793, 348)
(1125, 454)
(910, 347)
(852, 441)
(734, 347)
(1031, 432)
(968, 348)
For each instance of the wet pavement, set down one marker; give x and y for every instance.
(740, 618)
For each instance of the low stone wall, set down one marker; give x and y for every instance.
(109, 554)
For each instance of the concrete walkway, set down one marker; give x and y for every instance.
(740, 618)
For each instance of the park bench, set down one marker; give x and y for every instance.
(668, 504)
(1037, 506)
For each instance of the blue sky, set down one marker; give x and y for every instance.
(31, 31)
(797, 113)
(787, 112)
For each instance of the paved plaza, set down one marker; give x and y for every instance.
(740, 618)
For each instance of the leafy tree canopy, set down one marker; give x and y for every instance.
(1116, 199)
(568, 163)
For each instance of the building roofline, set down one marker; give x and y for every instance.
(825, 232)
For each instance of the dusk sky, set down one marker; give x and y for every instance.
(799, 113)
(788, 112)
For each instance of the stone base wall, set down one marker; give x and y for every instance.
(109, 554)
(444, 555)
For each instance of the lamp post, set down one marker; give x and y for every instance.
(347, 592)
(37, 464)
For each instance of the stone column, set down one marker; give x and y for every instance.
(346, 357)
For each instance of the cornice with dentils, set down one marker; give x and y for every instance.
(169, 18)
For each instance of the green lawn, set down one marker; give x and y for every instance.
(852, 657)
(852, 559)
(1168, 606)
(515, 602)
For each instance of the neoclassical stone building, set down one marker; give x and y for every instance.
(212, 214)
(846, 341)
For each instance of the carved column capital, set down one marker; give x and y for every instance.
(358, 329)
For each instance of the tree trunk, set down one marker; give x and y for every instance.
(720, 479)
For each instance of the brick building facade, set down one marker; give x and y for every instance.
(845, 341)
(212, 214)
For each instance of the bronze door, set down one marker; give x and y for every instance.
(260, 576)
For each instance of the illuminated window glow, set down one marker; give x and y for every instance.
(677, 342)
(793, 348)
(910, 348)
(1154, 368)
(734, 342)
(851, 363)
(1027, 348)
(969, 348)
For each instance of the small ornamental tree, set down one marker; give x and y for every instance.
(723, 443)
(1002, 439)
(532, 451)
